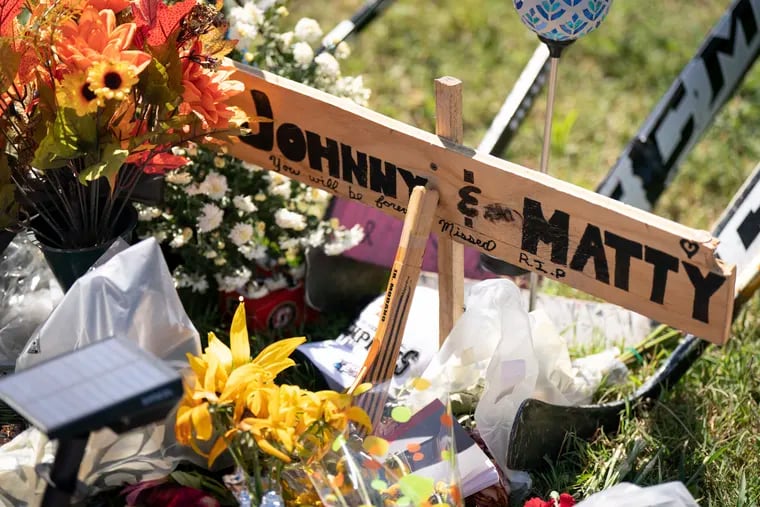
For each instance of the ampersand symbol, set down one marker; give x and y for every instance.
(468, 200)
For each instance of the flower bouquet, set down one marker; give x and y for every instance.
(232, 402)
(96, 93)
(409, 458)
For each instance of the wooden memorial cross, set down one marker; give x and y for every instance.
(623, 255)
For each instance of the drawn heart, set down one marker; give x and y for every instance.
(690, 247)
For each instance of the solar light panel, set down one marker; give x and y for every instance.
(110, 383)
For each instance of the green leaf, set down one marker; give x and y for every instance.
(68, 137)
(161, 81)
(154, 83)
(108, 166)
(417, 488)
(187, 479)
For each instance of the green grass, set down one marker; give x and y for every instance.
(705, 431)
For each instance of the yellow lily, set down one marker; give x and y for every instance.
(339, 409)
(285, 421)
(240, 347)
(193, 412)
(276, 357)
(243, 380)
(239, 351)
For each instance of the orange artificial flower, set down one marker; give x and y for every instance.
(206, 93)
(114, 5)
(95, 37)
(158, 163)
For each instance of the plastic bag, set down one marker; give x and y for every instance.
(563, 381)
(493, 308)
(518, 354)
(669, 494)
(28, 293)
(130, 295)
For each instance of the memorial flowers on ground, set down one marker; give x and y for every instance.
(555, 500)
(235, 227)
(301, 53)
(233, 404)
(97, 92)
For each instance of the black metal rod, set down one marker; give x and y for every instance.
(62, 482)
(359, 20)
(545, 151)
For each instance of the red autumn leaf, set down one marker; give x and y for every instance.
(156, 21)
(9, 9)
(162, 162)
(145, 12)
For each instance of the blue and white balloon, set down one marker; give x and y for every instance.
(562, 20)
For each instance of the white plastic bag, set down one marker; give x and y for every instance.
(563, 381)
(493, 308)
(670, 494)
(530, 360)
(28, 293)
(513, 368)
(130, 295)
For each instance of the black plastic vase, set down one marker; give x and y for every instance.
(68, 264)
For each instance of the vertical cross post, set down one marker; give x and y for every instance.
(448, 124)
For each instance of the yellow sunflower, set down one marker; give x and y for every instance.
(112, 80)
(75, 92)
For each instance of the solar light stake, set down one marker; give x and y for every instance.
(135, 388)
(557, 23)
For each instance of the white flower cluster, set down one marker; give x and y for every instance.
(148, 213)
(245, 21)
(290, 220)
(232, 282)
(210, 218)
(195, 282)
(240, 229)
(294, 54)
